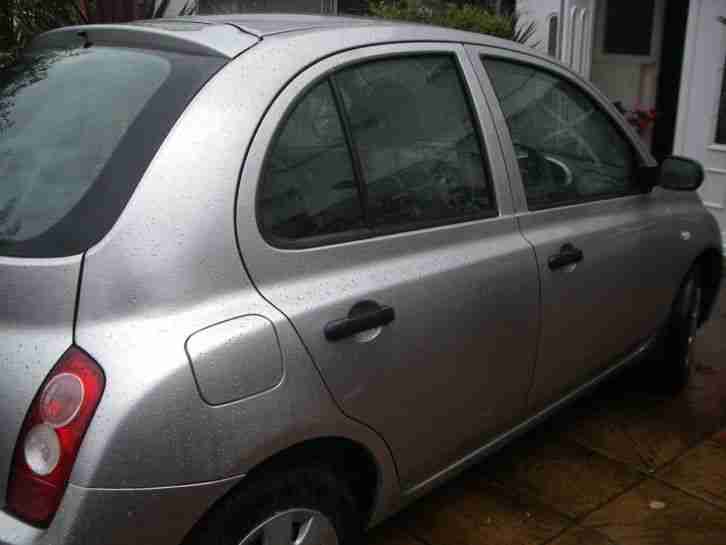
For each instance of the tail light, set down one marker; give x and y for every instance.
(51, 436)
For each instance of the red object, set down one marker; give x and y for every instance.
(36, 498)
(641, 119)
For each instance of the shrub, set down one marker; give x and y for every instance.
(463, 17)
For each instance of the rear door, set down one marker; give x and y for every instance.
(601, 243)
(374, 211)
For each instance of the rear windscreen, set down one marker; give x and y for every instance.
(78, 127)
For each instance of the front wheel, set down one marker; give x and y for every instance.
(674, 355)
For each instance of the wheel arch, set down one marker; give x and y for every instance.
(348, 459)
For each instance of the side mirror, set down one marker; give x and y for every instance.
(680, 174)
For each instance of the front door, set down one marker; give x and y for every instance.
(383, 230)
(601, 243)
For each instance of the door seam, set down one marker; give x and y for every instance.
(540, 313)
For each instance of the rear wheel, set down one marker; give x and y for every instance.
(674, 355)
(305, 506)
(293, 527)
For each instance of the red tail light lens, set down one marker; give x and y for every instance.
(51, 436)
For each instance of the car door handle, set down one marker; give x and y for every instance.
(362, 317)
(567, 255)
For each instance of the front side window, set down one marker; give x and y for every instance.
(379, 146)
(568, 149)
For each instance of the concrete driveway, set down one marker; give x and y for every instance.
(623, 466)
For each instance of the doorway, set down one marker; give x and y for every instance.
(669, 78)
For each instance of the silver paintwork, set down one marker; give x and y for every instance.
(214, 40)
(36, 320)
(279, 23)
(453, 377)
(90, 516)
(534, 418)
(235, 359)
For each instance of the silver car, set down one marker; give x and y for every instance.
(267, 279)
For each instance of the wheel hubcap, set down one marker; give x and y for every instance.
(693, 314)
(293, 527)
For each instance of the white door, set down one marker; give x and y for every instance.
(701, 128)
(577, 30)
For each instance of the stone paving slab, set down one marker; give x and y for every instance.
(467, 512)
(701, 472)
(656, 514)
(577, 535)
(568, 477)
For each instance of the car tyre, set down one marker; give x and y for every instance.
(303, 506)
(673, 358)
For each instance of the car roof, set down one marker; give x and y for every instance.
(267, 24)
(229, 35)
(264, 25)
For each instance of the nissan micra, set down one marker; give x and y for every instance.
(267, 279)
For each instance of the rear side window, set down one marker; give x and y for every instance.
(381, 146)
(77, 129)
(309, 188)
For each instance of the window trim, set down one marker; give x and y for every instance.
(655, 39)
(640, 163)
(370, 232)
(719, 108)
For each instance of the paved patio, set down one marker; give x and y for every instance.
(623, 466)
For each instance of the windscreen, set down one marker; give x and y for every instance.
(78, 127)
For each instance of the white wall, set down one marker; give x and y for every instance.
(705, 55)
(631, 80)
(538, 11)
(575, 29)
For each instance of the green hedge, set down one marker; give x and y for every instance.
(463, 17)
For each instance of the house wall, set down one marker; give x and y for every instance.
(575, 29)
(631, 80)
(538, 11)
(701, 87)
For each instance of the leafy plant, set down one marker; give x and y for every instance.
(20, 20)
(152, 12)
(467, 17)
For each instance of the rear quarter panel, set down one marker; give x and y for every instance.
(169, 268)
(36, 319)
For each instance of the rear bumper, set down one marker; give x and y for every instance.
(158, 516)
